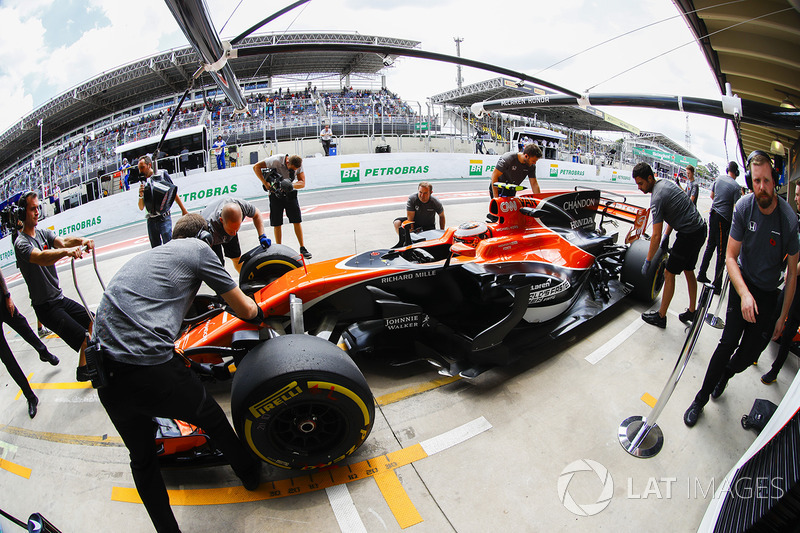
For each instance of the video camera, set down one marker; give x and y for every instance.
(279, 186)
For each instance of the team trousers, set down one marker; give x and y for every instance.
(742, 341)
(135, 395)
(718, 231)
(18, 323)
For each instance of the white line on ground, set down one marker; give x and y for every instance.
(344, 509)
(455, 436)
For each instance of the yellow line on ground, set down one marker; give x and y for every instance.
(83, 440)
(396, 496)
(396, 396)
(14, 468)
(649, 400)
(286, 487)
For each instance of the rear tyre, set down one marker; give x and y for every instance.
(261, 267)
(646, 287)
(299, 402)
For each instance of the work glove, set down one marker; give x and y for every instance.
(265, 242)
(645, 266)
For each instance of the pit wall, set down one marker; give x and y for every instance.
(198, 189)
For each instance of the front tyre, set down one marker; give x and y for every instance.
(300, 402)
(261, 267)
(647, 287)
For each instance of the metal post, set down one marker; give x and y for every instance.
(641, 437)
(715, 320)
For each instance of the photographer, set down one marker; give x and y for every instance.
(282, 175)
(159, 219)
(138, 319)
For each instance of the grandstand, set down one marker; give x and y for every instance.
(87, 130)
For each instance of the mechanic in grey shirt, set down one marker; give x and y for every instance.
(671, 206)
(763, 233)
(138, 319)
(225, 217)
(725, 192)
(37, 251)
(692, 188)
(421, 210)
(512, 167)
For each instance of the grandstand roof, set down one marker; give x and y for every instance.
(169, 73)
(663, 140)
(590, 118)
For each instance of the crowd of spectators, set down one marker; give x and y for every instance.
(69, 161)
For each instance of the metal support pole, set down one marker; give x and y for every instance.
(715, 320)
(641, 437)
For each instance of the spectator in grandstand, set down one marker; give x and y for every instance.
(126, 173)
(512, 167)
(421, 210)
(219, 150)
(671, 207)
(479, 142)
(159, 219)
(37, 251)
(325, 137)
(224, 218)
(283, 197)
(11, 316)
(184, 160)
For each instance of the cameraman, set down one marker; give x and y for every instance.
(138, 319)
(282, 185)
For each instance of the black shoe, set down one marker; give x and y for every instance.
(82, 373)
(692, 414)
(770, 377)
(32, 406)
(251, 479)
(47, 357)
(305, 253)
(687, 317)
(655, 319)
(720, 388)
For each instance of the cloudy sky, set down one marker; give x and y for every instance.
(50, 46)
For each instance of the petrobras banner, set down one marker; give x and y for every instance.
(199, 189)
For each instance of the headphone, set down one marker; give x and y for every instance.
(748, 178)
(205, 236)
(20, 210)
(733, 167)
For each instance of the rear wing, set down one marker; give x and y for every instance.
(625, 212)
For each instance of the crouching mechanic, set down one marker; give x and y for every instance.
(225, 217)
(138, 319)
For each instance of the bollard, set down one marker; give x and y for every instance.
(641, 437)
(715, 320)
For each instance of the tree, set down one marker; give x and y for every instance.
(713, 170)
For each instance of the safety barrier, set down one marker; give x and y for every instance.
(641, 436)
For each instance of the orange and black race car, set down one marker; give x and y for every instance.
(465, 299)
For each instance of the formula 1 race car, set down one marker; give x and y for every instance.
(464, 299)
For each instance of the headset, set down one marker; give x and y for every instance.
(733, 167)
(748, 178)
(205, 236)
(20, 210)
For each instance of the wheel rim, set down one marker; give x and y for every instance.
(309, 427)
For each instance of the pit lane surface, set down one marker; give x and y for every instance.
(445, 454)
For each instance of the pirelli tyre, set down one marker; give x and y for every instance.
(261, 267)
(299, 402)
(646, 287)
